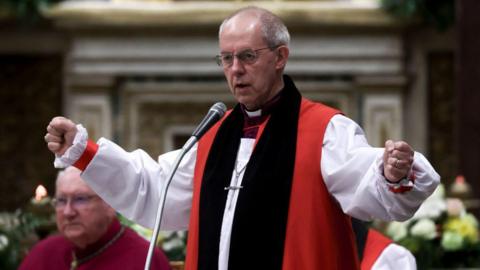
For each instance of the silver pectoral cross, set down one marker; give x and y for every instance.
(233, 187)
(234, 184)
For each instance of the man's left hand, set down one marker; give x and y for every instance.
(397, 160)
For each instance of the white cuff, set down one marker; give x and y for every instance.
(403, 185)
(75, 151)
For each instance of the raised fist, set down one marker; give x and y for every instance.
(60, 134)
(397, 160)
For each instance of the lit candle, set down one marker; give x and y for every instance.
(40, 193)
(42, 212)
(41, 196)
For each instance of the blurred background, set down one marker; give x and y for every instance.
(142, 73)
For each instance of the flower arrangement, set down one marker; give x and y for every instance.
(19, 231)
(441, 234)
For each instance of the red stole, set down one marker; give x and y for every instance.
(319, 234)
(376, 243)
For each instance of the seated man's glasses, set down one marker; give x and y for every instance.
(248, 56)
(77, 201)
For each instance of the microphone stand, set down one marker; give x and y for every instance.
(214, 114)
(163, 196)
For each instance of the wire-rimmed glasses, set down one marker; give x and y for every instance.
(248, 56)
(76, 201)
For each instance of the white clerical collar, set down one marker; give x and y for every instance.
(254, 113)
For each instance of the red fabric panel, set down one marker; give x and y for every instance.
(319, 234)
(87, 155)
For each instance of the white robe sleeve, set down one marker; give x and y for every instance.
(131, 183)
(353, 173)
(395, 257)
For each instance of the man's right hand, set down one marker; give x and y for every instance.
(60, 134)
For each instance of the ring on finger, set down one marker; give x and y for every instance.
(396, 163)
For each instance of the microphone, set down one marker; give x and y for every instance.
(214, 114)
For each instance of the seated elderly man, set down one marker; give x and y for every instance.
(91, 237)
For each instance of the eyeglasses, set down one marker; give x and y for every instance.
(77, 201)
(248, 56)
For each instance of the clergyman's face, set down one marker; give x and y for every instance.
(251, 84)
(82, 217)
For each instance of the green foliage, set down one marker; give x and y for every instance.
(27, 10)
(19, 231)
(442, 234)
(440, 13)
(174, 245)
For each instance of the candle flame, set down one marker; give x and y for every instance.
(40, 193)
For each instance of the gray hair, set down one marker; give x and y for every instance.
(68, 170)
(273, 29)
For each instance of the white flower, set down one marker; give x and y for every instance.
(182, 234)
(424, 228)
(3, 242)
(433, 206)
(9, 221)
(452, 241)
(397, 230)
(168, 234)
(471, 219)
(172, 244)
